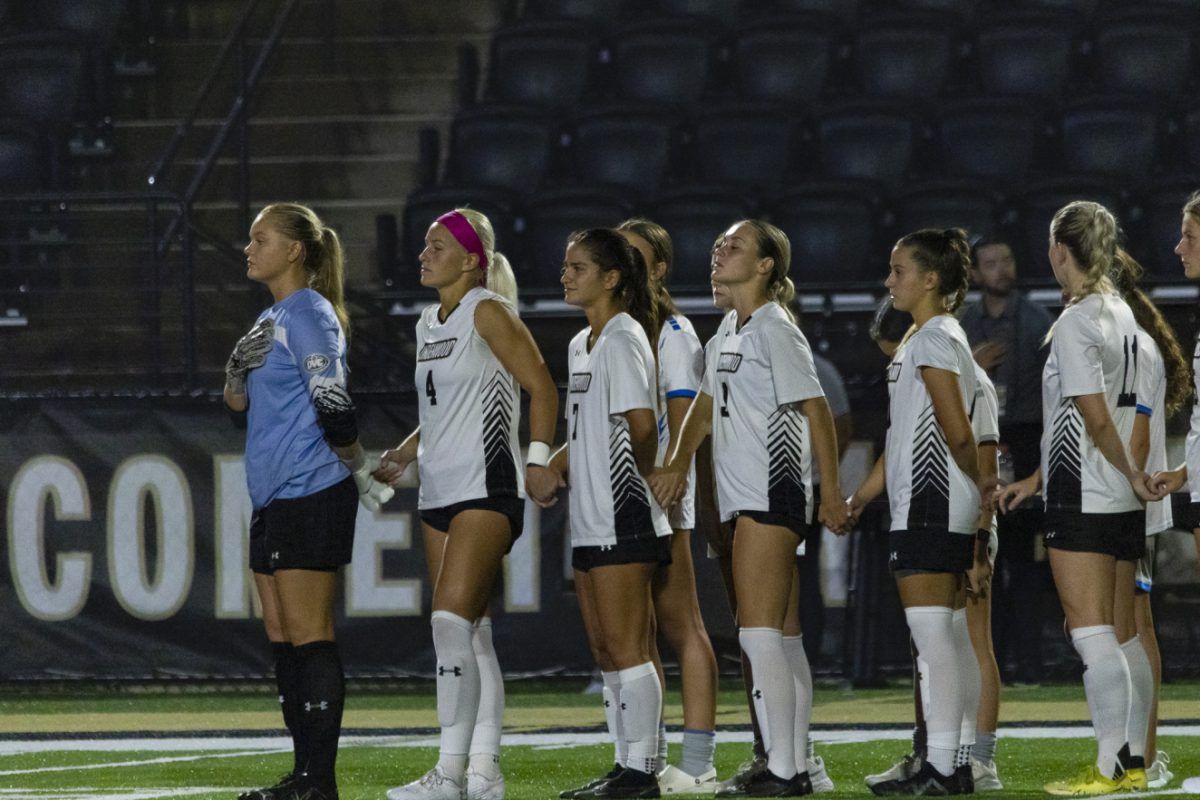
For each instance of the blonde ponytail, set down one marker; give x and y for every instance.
(324, 260)
(500, 277)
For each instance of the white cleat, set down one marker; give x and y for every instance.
(985, 776)
(433, 785)
(1159, 773)
(903, 769)
(481, 787)
(673, 780)
(821, 782)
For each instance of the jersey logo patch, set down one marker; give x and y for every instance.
(893, 371)
(316, 362)
(432, 351)
(729, 362)
(581, 381)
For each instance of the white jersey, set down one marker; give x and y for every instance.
(610, 500)
(469, 407)
(762, 453)
(985, 420)
(926, 487)
(1093, 350)
(1152, 401)
(680, 366)
(1192, 449)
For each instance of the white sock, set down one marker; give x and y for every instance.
(793, 648)
(1106, 683)
(970, 683)
(613, 716)
(641, 701)
(774, 696)
(1141, 681)
(941, 693)
(489, 721)
(457, 690)
(660, 762)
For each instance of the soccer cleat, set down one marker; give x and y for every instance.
(1134, 780)
(433, 785)
(269, 792)
(902, 769)
(985, 776)
(569, 794)
(821, 782)
(1087, 783)
(673, 780)
(304, 789)
(925, 782)
(1159, 773)
(481, 787)
(626, 783)
(746, 771)
(767, 784)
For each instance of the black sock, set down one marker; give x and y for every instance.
(322, 693)
(287, 680)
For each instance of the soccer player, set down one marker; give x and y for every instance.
(1094, 492)
(676, 608)
(473, 355)
(620, 536)
(306, 473)
(768, 416)
(931, 463)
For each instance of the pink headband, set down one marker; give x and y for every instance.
(465, 235)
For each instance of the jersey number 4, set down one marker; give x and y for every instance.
(430, 391)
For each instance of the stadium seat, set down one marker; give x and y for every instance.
(1113, 136)
(845, 10)
(41, 76)
(987, 138)
(946, 204)
(1027, 54)
(1162, 215)
(662, 61)
(21, 165)
(724, 12)
(1143, 55)
(782, 59)
(833, 229)
(423, 206)
(695, 216)
(502, 147)
(909, 56)
(95, 19)
(875, 142)
(550, 217)
(962, 9)
(541, 63)
(622, 146)
(749, 145)
(1082, 8)
(1038, 205)
(598, 11)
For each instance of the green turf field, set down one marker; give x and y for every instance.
(149, 745)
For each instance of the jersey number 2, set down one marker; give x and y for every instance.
(430, 391)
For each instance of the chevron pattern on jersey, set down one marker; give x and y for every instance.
(929, 506)
(631, 506)
(498, 403)
(785, 470)
(1064, 482)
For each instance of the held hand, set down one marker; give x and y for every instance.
(371, 493)
(1010, 497)
(249, 353)
(559, 483)
(833, 512)
(391, 467)
(990, 353)
(979, 578)
(1168, 481)
(668, 486)
(989, 488)
(541, 484)
(854, 508)
(1143, 486)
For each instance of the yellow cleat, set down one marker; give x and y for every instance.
(1134, 780)
(1088, 783)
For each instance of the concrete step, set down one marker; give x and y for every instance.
(356, 17)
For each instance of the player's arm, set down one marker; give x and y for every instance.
(952, 417)
(1099, 426)
(833, 512)
(670, 482)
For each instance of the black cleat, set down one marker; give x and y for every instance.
(768, 784)
(626, 783)
(926, 782)
(304, 788)
(270, 792)
(964, 780)
(570, 794)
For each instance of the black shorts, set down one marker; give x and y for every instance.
(1187, 514)
(794, 524)
(312, 532)
(511, 507)
(1122, 536)
(642, 550)
(930, 550)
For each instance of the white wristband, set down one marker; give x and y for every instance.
(538, 454)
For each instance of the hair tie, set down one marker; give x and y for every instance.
(464, 233)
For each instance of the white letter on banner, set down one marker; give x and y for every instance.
(62, 480)
(523, 567)
(231, 517)
(368, 593)
(142, 595)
